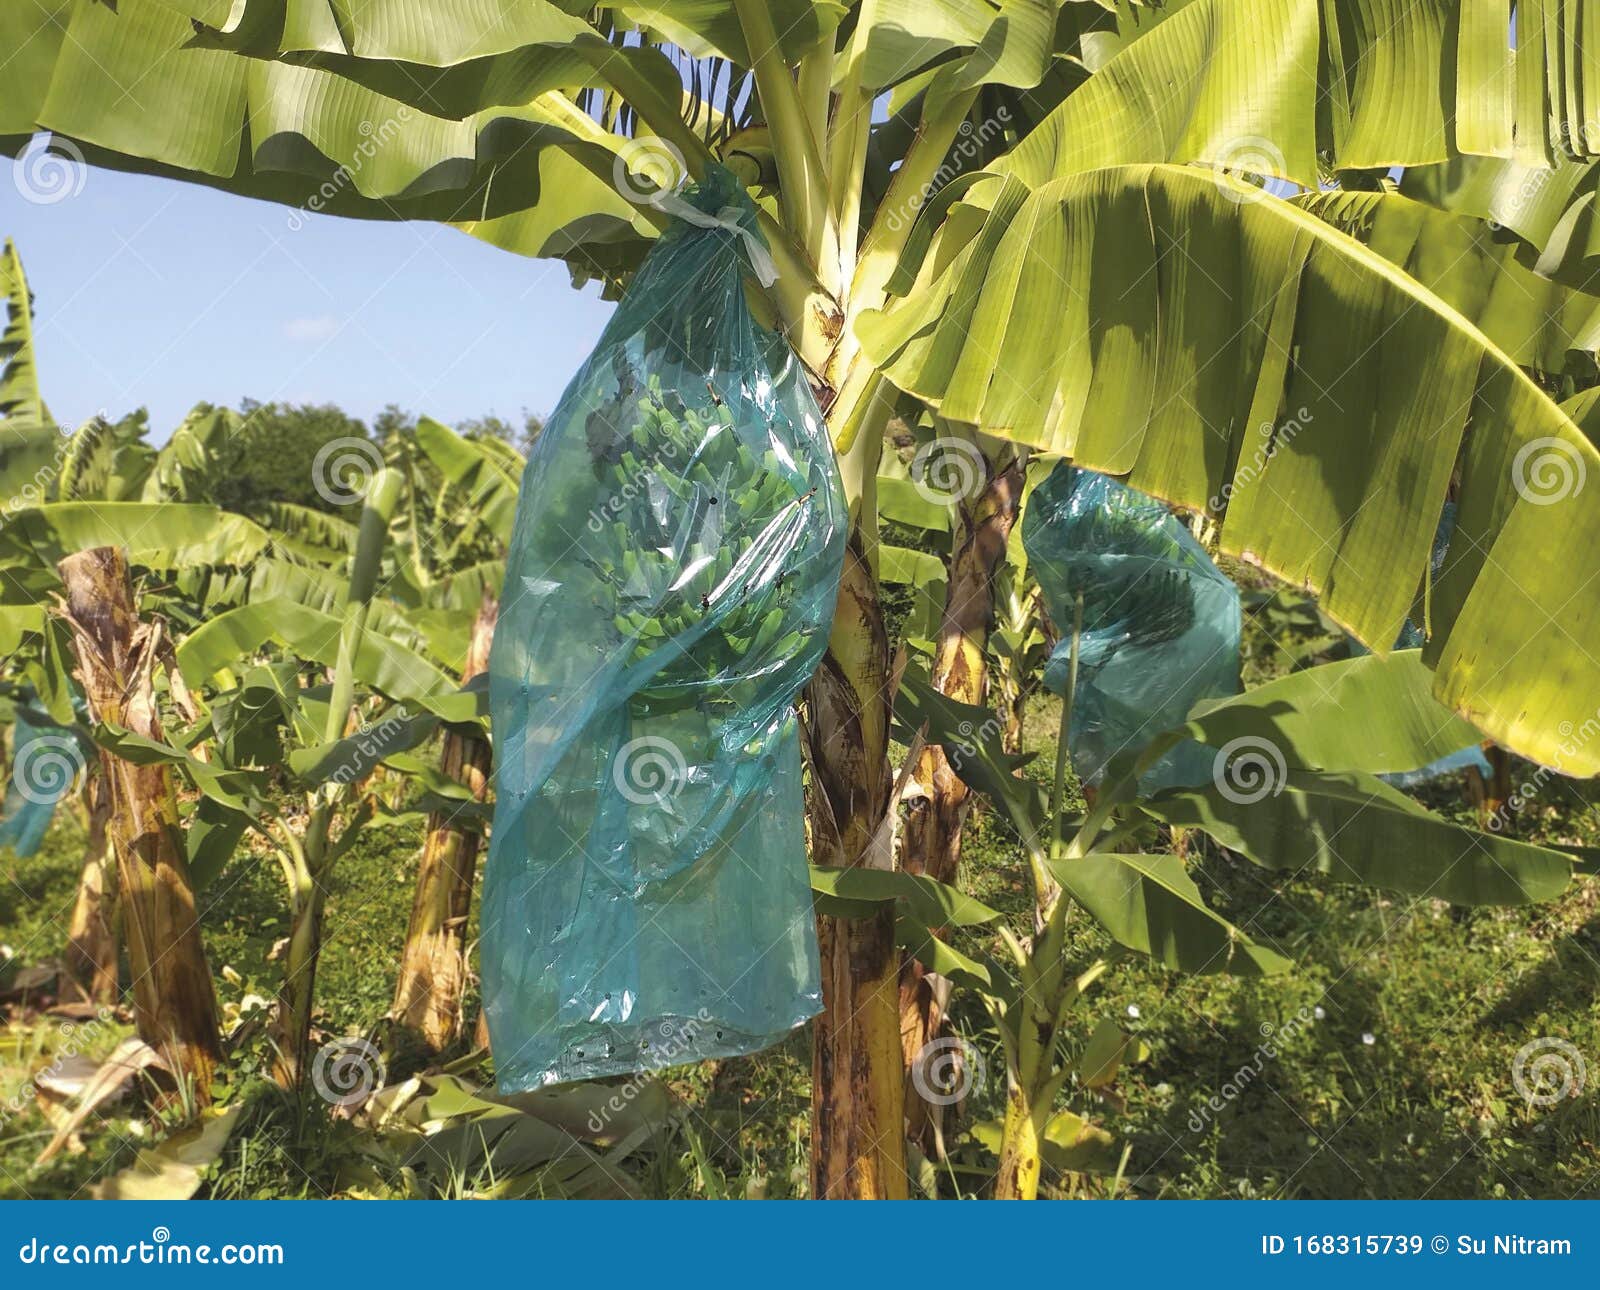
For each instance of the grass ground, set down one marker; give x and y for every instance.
(1383, 1067)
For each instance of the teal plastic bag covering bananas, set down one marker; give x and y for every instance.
(669, 590)
(1161, 623)
(46, 761)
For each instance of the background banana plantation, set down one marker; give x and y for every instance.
(1310, 273)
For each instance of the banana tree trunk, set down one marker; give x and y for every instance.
(932, 838)
(857, 1097)
(92, 935)
(297, 994)
(1020, 1156)
(174, 1004)
(433, 965)
(857, 1101)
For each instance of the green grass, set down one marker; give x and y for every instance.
(1390, 1073)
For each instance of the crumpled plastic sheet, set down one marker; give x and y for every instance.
(670, 586)
(1161, 623)
(46, 759)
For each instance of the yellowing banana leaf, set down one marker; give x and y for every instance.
(1268, 86)
(173, 1169)
(1544, 206)
(1142, 320)
(301, 134)
(1537, 322)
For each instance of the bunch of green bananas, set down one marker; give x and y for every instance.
(694, 501)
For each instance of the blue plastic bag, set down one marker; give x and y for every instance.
(46, 760)
(1161, 623)
(670, 585)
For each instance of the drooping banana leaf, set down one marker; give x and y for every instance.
(1551, 209)
(1538, 322)
(299, 134)
(1355, 828)
(1225, 350)
(157, 535)
(1269, 86)
(1150, 904)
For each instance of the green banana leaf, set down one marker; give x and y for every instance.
(1142, 321)
(1149, 904)
(1553, 326)
(1355, 828)
(156, 535)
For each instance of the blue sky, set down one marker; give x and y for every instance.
(157, 293)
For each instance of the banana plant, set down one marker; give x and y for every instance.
(82, 510)
(468, 518)
(1054, 237)
(1295, 789)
